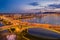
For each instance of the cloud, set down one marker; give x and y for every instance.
(55, 5)
(34, 4)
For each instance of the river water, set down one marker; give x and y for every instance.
(39, 32)
(49, 19)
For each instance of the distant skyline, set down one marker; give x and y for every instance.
(18, 6)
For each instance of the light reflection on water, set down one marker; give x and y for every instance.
(49, 19)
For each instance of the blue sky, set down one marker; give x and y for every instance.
(13, 6)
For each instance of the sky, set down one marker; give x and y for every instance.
(18, 6)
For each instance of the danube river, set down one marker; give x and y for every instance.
(53, 19)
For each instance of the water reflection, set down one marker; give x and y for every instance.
(49, 19)
(39, 32)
